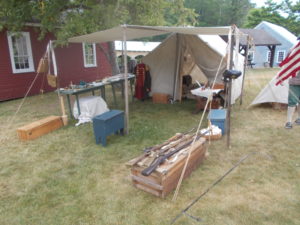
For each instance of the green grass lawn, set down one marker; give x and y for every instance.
(65, 178)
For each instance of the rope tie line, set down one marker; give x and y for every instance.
(194, 140)
(210, 187)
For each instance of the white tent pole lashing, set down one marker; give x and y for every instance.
(126, 81)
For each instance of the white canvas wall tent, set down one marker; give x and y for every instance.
(197, 55)
(130, 32)
(272, 93)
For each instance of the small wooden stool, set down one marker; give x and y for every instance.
(108, 123)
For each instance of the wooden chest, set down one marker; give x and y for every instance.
(165, 178)
(160, 98)
(39, 128)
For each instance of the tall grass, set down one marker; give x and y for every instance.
(65, 178)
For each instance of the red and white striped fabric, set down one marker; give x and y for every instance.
(290, 65)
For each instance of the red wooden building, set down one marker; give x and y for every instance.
(20, 55)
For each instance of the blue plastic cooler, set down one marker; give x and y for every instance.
(217, 117)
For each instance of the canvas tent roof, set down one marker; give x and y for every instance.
(129, 32)
(137, 46)
(134, 32)
(208, 35)
(272, 93)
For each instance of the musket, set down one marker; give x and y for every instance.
(147, 151)
(158, 161)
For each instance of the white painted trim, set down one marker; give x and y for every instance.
(267, 59)
(278, 55)
(94, 56)
(29, 50)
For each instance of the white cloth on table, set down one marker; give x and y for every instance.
(207, 93)
(90, 107)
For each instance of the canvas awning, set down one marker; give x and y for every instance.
(129, 32)
(135, 31)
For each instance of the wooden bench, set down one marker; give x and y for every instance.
(39, 128)
(108, 123)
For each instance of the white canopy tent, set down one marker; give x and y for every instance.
(272, 93)
(129, 32)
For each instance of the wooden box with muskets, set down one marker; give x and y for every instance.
(158, 170)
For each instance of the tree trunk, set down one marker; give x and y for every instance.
(110, 55)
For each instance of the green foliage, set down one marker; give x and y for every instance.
(284, 14)
(74, 17)
(180, 15)
(219, 12)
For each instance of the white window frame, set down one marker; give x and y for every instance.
(282, 57)
(94, 56)
(268, 53)
(29, 51)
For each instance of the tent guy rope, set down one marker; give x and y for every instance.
(197, 131)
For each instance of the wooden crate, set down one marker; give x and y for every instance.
(39, 128)
(165, 178)
(201, 102)
(218, 86)
(160, 98)
(213, 137)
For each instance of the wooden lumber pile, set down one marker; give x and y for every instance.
(166, 160)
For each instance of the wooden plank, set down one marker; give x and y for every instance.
(39, 128)
(143, 180)
(151, 191)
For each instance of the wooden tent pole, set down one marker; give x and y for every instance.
(244, 68)
(231, 45)
(176, 67)
(64, 116)
(126, 81)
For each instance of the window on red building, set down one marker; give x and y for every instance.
(89, 55)
(20, 52)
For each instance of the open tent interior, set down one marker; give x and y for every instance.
(189, 50)
(203, 57)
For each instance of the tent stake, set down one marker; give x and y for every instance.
(126, 81)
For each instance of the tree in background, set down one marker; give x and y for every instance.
(293, 18)
(220, 12)
(284, 14)
(68, 18)
(74, 17)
